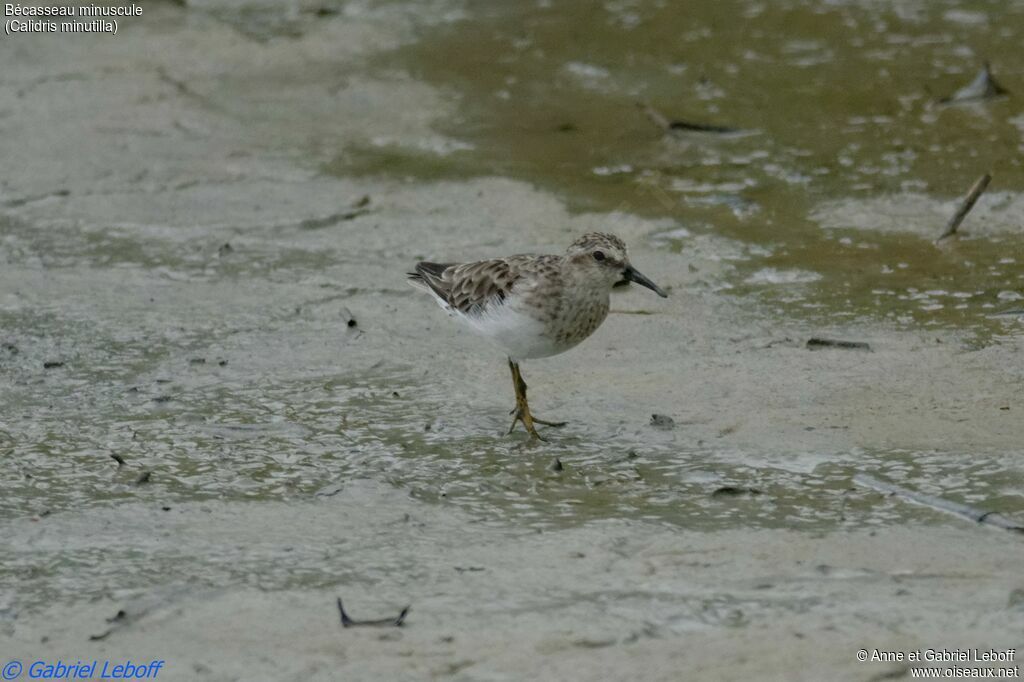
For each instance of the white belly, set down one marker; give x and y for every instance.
(522, 337)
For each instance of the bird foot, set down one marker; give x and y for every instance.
(521, 413)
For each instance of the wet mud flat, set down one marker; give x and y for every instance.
(223, 409)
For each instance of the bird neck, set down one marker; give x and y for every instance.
(586, 283)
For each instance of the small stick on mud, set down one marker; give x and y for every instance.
(815, 343)
(347, 622)
(983, 87)
(965, 207)
(939, 504)
(669, 126)
(350, 319)
(734, 491)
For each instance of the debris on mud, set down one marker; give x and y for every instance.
(815, 343)
(380, 622)
(734, 491)
(663, 421)
(672, 125)
(965, 206)
(984, 86)
(981, 516)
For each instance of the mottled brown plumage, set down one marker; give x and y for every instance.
(533, 306)
(470, 287)
(597, 240)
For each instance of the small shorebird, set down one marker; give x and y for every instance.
(533, 306)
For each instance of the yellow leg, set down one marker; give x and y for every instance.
(521, 412)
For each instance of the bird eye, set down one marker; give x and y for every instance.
(599, 255)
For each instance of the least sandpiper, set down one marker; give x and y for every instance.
(533, 306)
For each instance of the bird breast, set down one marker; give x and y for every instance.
(578, 320)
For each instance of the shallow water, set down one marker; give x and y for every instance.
(204, 435)
(835, 104)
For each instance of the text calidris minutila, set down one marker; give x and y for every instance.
(533, 306)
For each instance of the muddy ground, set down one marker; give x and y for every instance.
(195, 281)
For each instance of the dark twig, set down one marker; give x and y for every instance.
(660, 120)
(350, 319)
(381, 622)
(815, 343)
(939, 504)
(965, 206)
(983, 87)
(734, 491)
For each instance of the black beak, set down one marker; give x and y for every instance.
(631, 274)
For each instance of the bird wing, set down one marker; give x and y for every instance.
(470, 288)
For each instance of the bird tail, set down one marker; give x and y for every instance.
(429, 278)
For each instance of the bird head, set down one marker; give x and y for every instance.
(603, 257)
